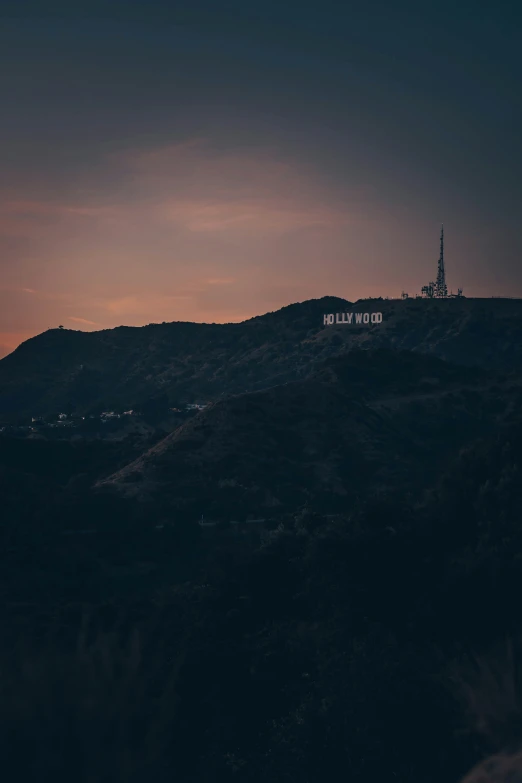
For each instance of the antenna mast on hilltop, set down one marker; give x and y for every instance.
(441, 289)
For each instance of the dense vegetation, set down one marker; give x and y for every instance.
(357, 635)
(332, 648)
(364, 423)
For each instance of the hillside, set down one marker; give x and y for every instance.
(85, 371)
(370, 421)
(285, 663)
(316, 632)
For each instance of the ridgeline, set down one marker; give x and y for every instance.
(81, 372)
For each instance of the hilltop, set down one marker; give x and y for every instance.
(65, 370)
(367, 422)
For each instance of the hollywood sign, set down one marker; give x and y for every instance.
(352, 318)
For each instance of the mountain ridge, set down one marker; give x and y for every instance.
(66, 370)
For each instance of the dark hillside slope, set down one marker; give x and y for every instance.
(334, 647)
(369, 421)
(66, 370)
(63, 370)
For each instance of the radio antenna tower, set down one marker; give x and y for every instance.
(441, 289)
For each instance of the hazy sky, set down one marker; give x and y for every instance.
(211, 165)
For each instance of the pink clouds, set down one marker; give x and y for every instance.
(182, 232)
(82, 321)
(186, 185)
(240, 217)
(189, 185)
(28, 208)
(23, 218)
(144, 304)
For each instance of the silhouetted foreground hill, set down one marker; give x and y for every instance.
(367, 422)
(64, 370)
(334, 651)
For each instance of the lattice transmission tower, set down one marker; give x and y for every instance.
(441, 289)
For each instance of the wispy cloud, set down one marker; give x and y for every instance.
(14, 289)
(203, 191)
(82, 320)
(142, 305)
(188, 186)
(29, 208)
(185, 218)
(158, 159)
(29, 218)
(261, 216)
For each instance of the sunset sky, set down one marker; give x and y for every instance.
(211, 165)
